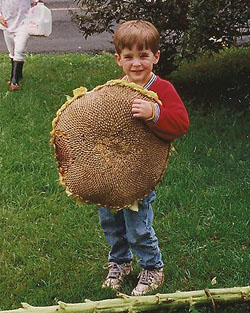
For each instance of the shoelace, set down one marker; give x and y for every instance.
(115, 270)
(145, 277)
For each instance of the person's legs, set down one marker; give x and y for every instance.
(120, 255)
(141, 235)
(16, 74)
(129, 229)
(20, 42)
(20, 39)
(115, 233)
(143, 241)
(10, 43)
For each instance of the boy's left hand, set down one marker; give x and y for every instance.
(3, 22)
(142, 109)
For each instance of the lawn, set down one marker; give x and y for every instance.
(53, 249)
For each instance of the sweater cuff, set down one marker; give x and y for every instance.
(156, 113)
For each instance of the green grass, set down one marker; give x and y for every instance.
(53, 249)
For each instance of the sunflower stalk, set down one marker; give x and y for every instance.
(131, 304)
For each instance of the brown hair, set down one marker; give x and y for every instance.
(141, 33)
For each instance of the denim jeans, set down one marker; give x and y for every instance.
(128, 230)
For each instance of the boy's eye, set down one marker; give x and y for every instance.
(144, 55)
(127, 57)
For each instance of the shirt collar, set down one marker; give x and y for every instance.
(150, 82)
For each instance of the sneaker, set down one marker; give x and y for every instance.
(117, 272)
(148, 281)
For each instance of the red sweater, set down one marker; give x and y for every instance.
(173, 119)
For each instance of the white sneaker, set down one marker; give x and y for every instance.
(148, 281)
(117, 272)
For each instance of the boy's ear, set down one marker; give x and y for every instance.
(118, 59)
(157, 57)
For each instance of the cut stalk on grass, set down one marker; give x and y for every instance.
(147, 303)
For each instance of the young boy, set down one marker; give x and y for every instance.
(137, 50)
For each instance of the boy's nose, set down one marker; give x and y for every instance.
(136, 62)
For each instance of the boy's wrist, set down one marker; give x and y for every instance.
(155, 113)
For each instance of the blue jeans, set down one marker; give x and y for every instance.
(128, 230)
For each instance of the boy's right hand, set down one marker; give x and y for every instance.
(3, 22)
(142, 109)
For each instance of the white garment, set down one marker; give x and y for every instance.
(16, 42)
(14, 12)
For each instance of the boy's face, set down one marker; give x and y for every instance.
(137, 64)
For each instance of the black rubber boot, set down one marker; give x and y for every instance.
(16, 75)
(21, 69)
(11, 75)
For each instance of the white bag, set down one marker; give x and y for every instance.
(40, 20)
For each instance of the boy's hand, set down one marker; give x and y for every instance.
(3, 21)
(142, 109)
